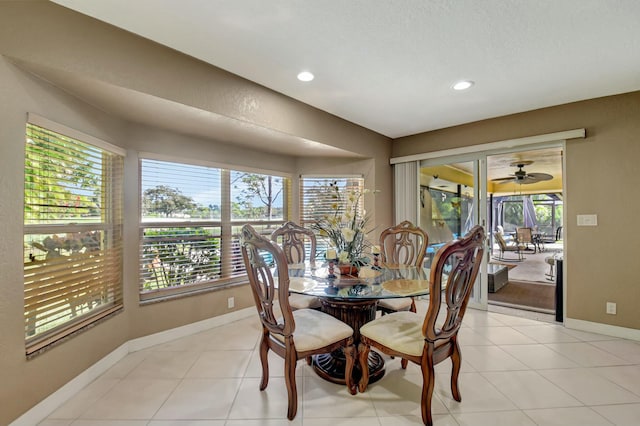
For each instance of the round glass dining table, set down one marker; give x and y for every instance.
(354, 301)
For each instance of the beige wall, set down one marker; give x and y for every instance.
(601, 178)
(44, 34)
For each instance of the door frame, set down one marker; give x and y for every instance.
(481, 151)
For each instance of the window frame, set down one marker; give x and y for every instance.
(87, 276)
(231, 270)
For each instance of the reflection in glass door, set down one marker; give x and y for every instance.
(449, 207)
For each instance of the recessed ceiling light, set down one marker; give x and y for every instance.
(462, 85)
(305, 76)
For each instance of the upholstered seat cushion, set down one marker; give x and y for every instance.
(400, 331)
(303, 301)
(315, 329)
(396, 304)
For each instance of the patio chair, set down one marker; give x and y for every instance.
(525, 238)
(514, 247)
(293, 335)
(428, 340)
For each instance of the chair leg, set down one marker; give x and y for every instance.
(456, 361)
(350, 355)
(264, 360)
(428, 382)
(290, 381)
(363, 356)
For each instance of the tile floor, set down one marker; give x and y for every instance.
(516, 371)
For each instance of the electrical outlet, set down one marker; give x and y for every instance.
(231, 302)
(611, 308)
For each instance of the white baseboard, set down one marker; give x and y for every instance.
(40, 411)
(606, 329)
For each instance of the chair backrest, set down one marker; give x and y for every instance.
(524, 235)
(292, 240)
(457, 263)
(500, 240)
(256, 250)
(403, 244)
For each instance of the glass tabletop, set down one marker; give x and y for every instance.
(372, 283)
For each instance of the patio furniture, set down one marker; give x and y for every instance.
(514, 247)
(524, 236)
(498, 276)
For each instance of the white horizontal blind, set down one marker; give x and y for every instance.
(191, 217)
(317, 198)
(72, 235)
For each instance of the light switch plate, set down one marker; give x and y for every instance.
(587, 220)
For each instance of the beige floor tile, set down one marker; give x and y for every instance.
(187, 423)
(539, 356)
(588, 387)
(573, 416)
(491, 358)
(134, 399)
(399, 394)
(325, 399)
(627, 376)
(212, 364)
(504, 336)
(586, 354)
(620, 414)
(545, 333)
(80, 402)
(528, 390)
(200, 399)
(164, 365)
(251, 403)
(478, 395)
(495, 418)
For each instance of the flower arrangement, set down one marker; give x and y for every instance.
(344, 225)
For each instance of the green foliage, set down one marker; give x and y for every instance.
(264, 188)
(62, 179)
(166, 201)
(179, 256)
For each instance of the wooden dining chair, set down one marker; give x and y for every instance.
(293, 335)
(403, 244)
(421, 339)
(294, 240)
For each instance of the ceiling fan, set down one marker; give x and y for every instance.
(522, 177)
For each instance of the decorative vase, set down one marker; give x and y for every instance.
(348, 270)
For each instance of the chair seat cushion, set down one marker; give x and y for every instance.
(400, 331)
(396, 304)
(303, 301)
(315, 329)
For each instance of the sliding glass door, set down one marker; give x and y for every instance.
(451, 204)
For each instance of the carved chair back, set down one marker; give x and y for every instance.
(403, 244)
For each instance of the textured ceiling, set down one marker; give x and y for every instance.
(388, 65)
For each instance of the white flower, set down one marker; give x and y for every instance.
(348, 234)
(343, 257)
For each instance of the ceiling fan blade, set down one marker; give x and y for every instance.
(538, 177)
(504, 179)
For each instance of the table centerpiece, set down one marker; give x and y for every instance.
(344, 228)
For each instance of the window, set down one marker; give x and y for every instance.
(316, 200)
(191, 217)
(72, 232)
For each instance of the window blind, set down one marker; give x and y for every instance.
(72, 235)
(191, 216)
(317, 200)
